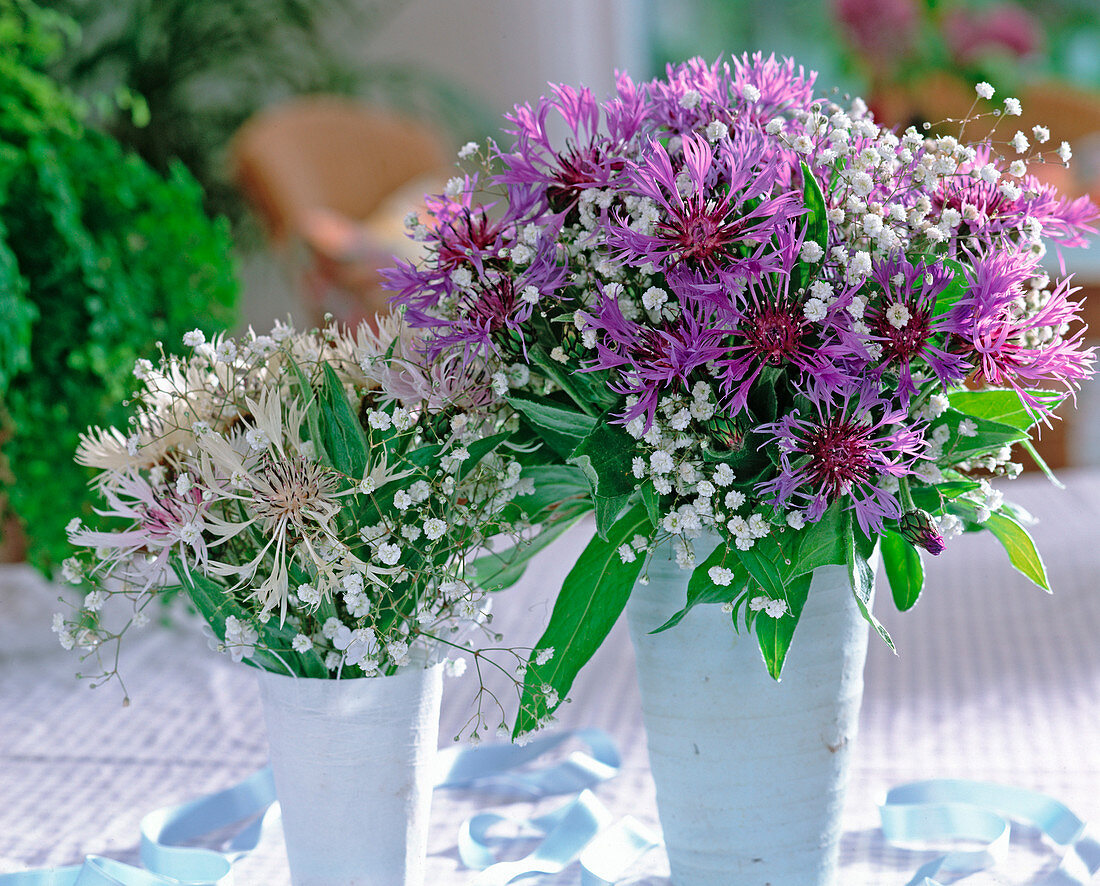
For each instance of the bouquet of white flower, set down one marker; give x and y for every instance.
(315, 494)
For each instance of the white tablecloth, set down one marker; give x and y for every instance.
(994, 680)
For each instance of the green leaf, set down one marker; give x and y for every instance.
(273, 650)
(822, 543)
(701, 589)
(562, 429)
(987, 436)
(954, 290)
(817, 219)
(863, 579)
(606, 457)
(763, 567)
(340, 430)
(1001, 405)
(652, 502)
(775, 634)
(588, 605)
(1017, 542)
(555, 487)
(904, 569)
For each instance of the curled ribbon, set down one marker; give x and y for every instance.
(975, 811)
(487, 769)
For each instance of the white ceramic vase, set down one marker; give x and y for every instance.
(750, 773)
(354, 763)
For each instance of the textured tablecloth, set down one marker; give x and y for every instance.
(994, 680)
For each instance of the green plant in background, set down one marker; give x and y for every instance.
(101, 257)
(191, 72)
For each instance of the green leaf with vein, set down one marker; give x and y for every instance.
(821, 543)
(702, 589)
(273, 650)
(1021, 550)
(775, 634)
(1001, 405)
(555, 486)
(588, 605)
(340, 430)
(987, 436)
(606, 457)
(904, 570)
(562, 428)
(862, 578)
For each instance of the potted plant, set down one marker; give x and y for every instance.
(767, 343)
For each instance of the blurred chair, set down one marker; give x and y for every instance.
(332, 180)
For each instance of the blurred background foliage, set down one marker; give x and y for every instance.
(101, 258)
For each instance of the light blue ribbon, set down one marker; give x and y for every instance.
(493, 769)
(926, 812)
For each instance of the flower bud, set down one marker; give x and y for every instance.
(919, 528)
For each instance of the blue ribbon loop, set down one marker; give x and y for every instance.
(497, 769)
(929, 812)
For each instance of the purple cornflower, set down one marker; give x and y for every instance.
(590, 159)
(904, 323)
(704, 223)
(1018, 347)
(771, 328)
(775, 85)
(844, 448)
(691, 95)
(651, 360)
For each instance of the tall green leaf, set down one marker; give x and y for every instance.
(341, 433)
(904, 569)
(1001, 405)
(1017, 542)
(589, 603)
(775, 634)
(606, 458)
(562, 429)
(822, 543)
(702, 589)
(862, 578)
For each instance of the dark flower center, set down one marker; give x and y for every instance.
(774, 332)
(839, 456)
(703, 235)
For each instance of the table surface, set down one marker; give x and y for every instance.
(993, 680)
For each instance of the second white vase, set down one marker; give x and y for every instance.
(750, 773)
(354, 763)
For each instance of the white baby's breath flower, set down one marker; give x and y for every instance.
(720, 576)
(194, 338)
(434, 528)
(984, 90)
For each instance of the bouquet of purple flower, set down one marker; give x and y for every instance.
(725, 305)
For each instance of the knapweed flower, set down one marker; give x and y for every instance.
(839, 451)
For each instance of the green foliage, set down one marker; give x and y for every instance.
(605, 456)
(702, 589)
(904, 570)
(100, 258)
(590, 602)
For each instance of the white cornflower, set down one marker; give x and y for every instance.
(984, 90)
(194, 338)
(898, 315)
(301, 643)
(1012, 107)
(434, 528)
(720, 576)
(257, 440)
(968, 428)
(467, 150)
